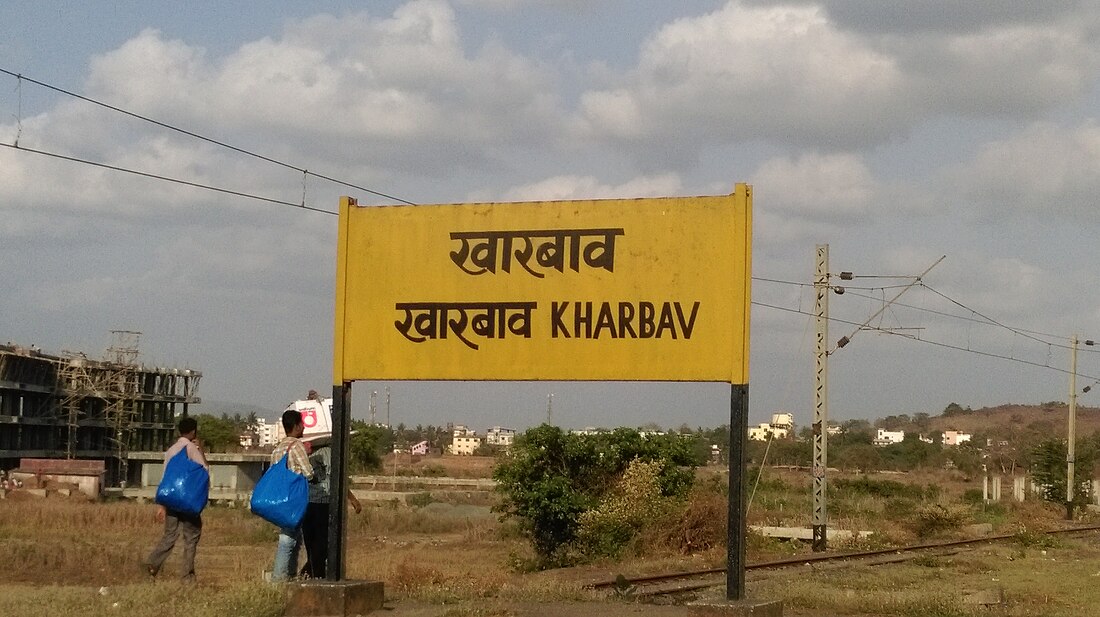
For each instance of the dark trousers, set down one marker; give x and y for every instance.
(175, 525)
(315, 536)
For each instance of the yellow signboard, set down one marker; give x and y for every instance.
(602, 290)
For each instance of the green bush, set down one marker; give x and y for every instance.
(886, 489)
(973, 496)
(636, 502)
(550, 478)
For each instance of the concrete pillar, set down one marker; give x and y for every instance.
(1019, 484)
(985, 488)
(996, 488)
(1096, 492)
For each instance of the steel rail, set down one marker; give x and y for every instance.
(620, 582)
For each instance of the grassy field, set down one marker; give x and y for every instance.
(71, 557)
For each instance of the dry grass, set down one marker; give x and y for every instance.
(1053, 582)
(59, 552)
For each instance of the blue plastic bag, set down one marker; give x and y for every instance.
(281, 496)
(185, 485)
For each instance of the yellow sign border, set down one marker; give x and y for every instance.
(737, 372)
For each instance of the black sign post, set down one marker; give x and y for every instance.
(735, 530)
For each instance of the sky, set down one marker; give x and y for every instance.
(895, 132)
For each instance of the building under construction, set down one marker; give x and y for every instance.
(74, 407)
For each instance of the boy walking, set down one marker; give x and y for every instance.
(179, 523)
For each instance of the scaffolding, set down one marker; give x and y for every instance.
(121, 384)
(75, 387)
(74, 407)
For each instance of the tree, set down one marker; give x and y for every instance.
(550, 478)
(922, 421)
(1048, 468)
(954, 409)
(367, 446)
(218, 434)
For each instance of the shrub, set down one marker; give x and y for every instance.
(934, 519)
(419, 500)
(433, 470)
(551, 478)
(865, 485)
(699, 525)
(605, 530)
(973, 496)
(899, 509)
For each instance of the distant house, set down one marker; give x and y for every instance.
(465, 445)
(954, 438)
(500, 436)
(782, 420)
(780, 427)
(266, 433)
(885, 438)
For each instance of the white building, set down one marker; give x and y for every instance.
(954, 438)
(779, 428)
(465, 445)
(500, 436)
(885, 437)
(783, 420)
(266, 433)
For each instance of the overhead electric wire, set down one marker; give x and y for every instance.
(982, 321)
(985, 320)
(991, 320)
(911, 337)
(203, 137)
(168, 179)
(801, 284)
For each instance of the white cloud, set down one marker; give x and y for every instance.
(405, 83)
(1043, 169)
(589, 187)
(790, 73)
(511, 5)
(832, 186)
(741, 73)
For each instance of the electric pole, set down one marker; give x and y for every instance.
(821, 379)
(550, 409)
(1071, 430)
(821, 394)
(372, 406)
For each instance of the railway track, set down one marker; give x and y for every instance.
(673, 583)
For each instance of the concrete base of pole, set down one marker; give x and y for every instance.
(736, 608)
(321, 598)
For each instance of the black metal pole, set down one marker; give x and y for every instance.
(735, 530)
(338, 479)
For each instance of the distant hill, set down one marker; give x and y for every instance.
(217, 408)
(1049, 419)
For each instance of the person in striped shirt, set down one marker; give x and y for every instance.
(297, 460)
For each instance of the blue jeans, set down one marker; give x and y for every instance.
(286, 554)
